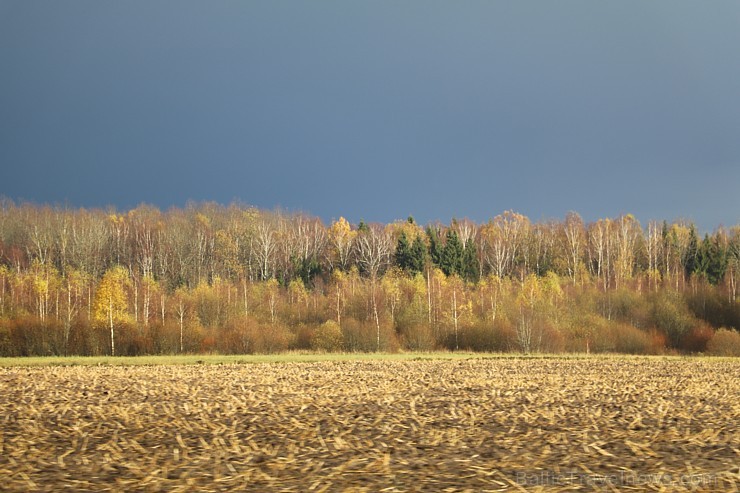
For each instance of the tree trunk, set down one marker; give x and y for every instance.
(110, 319)
(455, 317)
(429, 299)
(375, 312)
(182, 314)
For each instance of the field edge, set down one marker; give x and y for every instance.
(309, 357)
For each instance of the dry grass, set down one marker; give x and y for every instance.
(478, 424)
(220, 359)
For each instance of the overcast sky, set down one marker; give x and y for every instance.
(376, 109)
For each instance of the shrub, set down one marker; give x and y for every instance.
(357, 335)
(726, 342)
(7, 348)
(303, 337)
(483, 336)
(363, 336)
(419, 337)
(672, 316)
(631, 340)
(697, 338)
(327, 337)
(622, 337)
(553, 340)
(274, 338)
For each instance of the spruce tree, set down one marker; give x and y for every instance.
(418, 256)
(435, 246)
(403, 253)
(711, 260)
(689, 260)
(470, 265)
(452, 254)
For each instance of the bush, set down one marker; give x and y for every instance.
(276, 338)
(363, 336)
(696, 340)
(7, 348)
(628, 306)
(624, 338)
(631, 340)
(484, 337)
(672, 316)
(553, 340)
(327, 337)
(419, 337)
(725, 342)
(303, 339)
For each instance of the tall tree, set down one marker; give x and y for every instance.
(733, 263)
(573, 241)
(692, 249)
(340, 238)
(452, 254)
(403, 252)
(111, 301)
(373, 255)
(470, 270)
(711, 259)
(435, 245)
(418, 255)
(501, 241)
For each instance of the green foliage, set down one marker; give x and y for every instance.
(418, 255)
(470, 270)
(690, 255)
(306, 269)
(435, 246)
(711, 260)
(410, 257)
(209, 278)
(403, 252)
(451, 261)
(671, 315)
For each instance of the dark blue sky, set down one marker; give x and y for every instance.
(376, 109)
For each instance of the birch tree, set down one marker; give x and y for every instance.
(373, 249)
(341, 239)
(111, 301)
(573, 243)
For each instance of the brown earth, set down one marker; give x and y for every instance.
(479, 425)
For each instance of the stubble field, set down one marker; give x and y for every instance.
(479, 424)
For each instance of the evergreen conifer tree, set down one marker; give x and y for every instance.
(470, 266)
(452, 254)
(435, 246)
(418, 255)
(403, 252)
(711, 260)
(689, 260)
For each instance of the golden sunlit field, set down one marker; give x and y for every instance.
(496, 424)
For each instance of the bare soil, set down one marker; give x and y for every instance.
(477, 425)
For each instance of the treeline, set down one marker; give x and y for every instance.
(236, 279)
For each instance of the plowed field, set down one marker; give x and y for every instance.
(479, 425)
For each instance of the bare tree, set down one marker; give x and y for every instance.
(573, 241)
(265, 247)
(374, 249)
(628, 233)
(654, 252)
(598, 242)
(501, 241)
